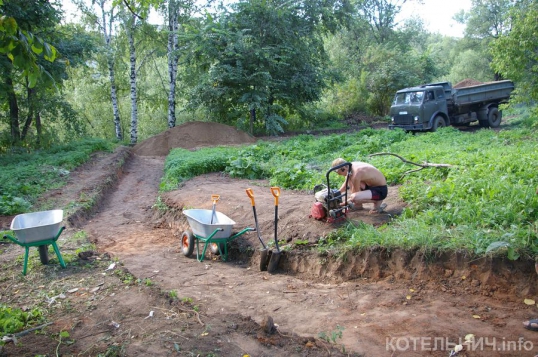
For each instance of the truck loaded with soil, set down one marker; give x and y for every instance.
(434, 105)
(137, 294)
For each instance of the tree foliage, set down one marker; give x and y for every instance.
(488, 19)
(265, 66)
(17, 41)
(262, 60)
(515, 54)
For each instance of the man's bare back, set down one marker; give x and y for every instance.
(366, 183)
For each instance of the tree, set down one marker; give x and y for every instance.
(265, 58)
(179, 13)
(21, 55)
(381, 17)
(486, 21)
(131, 19)
(20, 45)
(515, 54)
(104, 18)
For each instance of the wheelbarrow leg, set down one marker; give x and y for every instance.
(27, 249)
(55, 246)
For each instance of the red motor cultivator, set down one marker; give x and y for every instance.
(331, 205)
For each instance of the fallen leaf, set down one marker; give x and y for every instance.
(529, 302)
(204, 334)
(408, 297)
(72, 290)
(469, 337)
(412, 290)
(458, 348)
(463, 277)
(476, 316)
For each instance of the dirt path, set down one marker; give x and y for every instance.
(379, 314)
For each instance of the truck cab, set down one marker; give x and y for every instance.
(420, 108)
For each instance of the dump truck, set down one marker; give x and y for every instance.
(431, 106)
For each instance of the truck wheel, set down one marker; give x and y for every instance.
(438, 122)
(494, 117)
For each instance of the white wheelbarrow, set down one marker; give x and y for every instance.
(38, 229)
(211, 227)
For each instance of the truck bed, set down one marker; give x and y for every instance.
(497, 91)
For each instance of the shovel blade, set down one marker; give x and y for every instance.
(265, 255)
(273, 262)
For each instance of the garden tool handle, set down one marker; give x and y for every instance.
(215, 198)
(250, 195)
(276, 193)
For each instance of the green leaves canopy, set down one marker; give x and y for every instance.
(19, 44)
(264, 55)
(515, 55)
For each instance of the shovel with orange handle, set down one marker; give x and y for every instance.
(263, 252)
(215, 199)
(275, 256)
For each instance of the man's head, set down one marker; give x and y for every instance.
(343, 170)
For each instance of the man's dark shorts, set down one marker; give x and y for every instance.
(378, 192)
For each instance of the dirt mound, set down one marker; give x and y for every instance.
(192, 135)
(467, 83)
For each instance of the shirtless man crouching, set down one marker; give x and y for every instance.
(366, 184)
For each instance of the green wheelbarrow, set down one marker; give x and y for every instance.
(38, 229)
(211, 227)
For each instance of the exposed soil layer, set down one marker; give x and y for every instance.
(192, 135)
(374, 302)
(467, 83)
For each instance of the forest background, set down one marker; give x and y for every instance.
(265, 67)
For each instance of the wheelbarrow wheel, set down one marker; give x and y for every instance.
(214, 248)
(187, 243)
(44, 254)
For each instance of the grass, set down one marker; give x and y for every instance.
(485, 202)
(24, 177)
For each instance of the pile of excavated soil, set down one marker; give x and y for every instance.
(192, 135)
(467, 83)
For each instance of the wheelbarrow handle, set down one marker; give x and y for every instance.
(215, 198)
(276, 193)
(250, 195)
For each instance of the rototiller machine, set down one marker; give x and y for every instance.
(331, 205)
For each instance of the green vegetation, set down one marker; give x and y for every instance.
(13, 320)
(25, 176)
(333, 337)
(486, 197)
(172, 294)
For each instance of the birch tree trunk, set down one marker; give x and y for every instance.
(173, 26)
(132, 60)
(107, 33)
